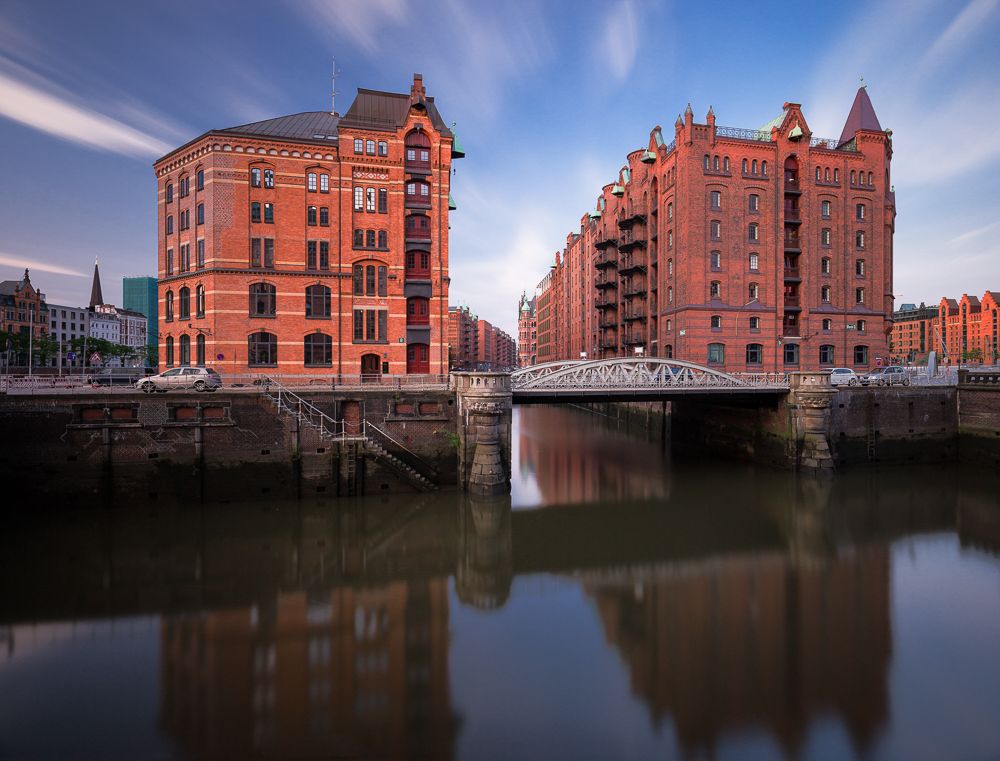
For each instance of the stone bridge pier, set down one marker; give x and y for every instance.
(810, 398)
(485, 402)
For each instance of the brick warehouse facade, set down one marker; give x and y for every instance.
(310, 243)
(747, 250)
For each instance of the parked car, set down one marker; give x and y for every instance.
(887, 376)
(843, 376)
(114, 376)
(198, 378)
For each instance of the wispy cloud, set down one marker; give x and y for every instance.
(10, 260)
(360, 21)
(47, 109)
(619, 39)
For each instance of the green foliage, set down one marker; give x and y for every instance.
(974, 354)
(453, 438)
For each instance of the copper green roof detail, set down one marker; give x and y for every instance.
(451, 203)
(457, 151)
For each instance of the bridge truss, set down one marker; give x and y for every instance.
(647, 373)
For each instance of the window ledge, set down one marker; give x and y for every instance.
(371, 343)
(315, 317)
(263, 316)
(754, 330)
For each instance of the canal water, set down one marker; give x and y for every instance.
(625, 602)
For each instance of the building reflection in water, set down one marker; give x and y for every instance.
(586, 458)
(355, 672)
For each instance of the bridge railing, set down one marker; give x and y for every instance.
(629, 373)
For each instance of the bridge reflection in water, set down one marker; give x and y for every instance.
(741, 600)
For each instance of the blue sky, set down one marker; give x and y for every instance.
(549, 97)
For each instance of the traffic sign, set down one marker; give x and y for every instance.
(220, 357)
(71, 356)
(878, 362)
(96, 357)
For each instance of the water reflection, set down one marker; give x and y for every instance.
(735, 602)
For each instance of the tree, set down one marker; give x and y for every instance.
(974, 354)
(150, 354)
(44, 347)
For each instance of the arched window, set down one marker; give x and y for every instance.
(853, 179)
(753, 167)
(859, 239)
(668, 351)
(262, 349)
(170, 351)
(707, 162)
(418, 193)
(861, 355)
(836, 175)
(826, 354)
(262, 300)
(715, 289)
(755, 354)
(169, 306)
(184, 303)
(861, 326)
(317, 349)
(871, 178)
(317, 301)
(716, 354)
(418, 265)
(255, 177)
(754, 262)
(185, 349)
(763, 168)
(819, 174)
(670, 211)
(311, 182)
(744, 166)
(824, 293)
(715, 164)
(418, 151)
(754, 202)
(753, 231)
(418, 226)
(170, 193)
(370, 280)
(417, 311)
(200, 301)
(725, 164)
(170, 225)
(200, 351)
(670, 267)
(670, 295)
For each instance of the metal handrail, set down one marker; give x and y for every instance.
(395, 441)
(304, 410)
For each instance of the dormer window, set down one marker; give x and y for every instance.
(418, 151)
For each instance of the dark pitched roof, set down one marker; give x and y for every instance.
(130, 313)
(373, 109)
(7, 287)
(862, 116)
(309, 125)
(96, 297)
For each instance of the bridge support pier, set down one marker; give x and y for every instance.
(484, 430)
(810, 398)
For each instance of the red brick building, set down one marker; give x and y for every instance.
(463, 335)
(748, 250)
(310, 243)
(527, 339)
(962, 327)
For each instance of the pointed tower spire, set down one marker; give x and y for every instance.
(862, 116)
(96, 297)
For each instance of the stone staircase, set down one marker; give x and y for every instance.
(291, 404)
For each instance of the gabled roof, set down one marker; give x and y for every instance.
(373, 109)
(862, 116)
(308, 125)
(7, 287)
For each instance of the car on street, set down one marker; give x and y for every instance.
(179, 378)
(843, 376)
(886, 376)
(115, 376)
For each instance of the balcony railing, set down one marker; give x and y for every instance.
(744, 134)
(632, 264)
(607, 322)
(635, 313)
(607, 342)
(634, 289)
(635, 337)
(606, 258)
(791, 213)
(606, 301)
(832, 144)
(790, 331)
(609, 280)
(791, 301)
(791, 238)
(603, 242)
(791, 273)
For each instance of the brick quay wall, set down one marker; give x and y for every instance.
(97, 447)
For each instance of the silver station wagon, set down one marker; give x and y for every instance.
(198, 378)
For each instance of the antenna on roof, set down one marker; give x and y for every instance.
(335, 92)
(863, 85)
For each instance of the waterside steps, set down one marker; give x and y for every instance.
(339, 431)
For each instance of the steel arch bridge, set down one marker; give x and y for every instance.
(636, 379)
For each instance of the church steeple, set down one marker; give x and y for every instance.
(862, 116)
(96, 297)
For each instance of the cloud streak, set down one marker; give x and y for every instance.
(56, 115)
(33, 264)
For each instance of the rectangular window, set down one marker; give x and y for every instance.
(716, 197)
(754, 202)
(268, 178)
(383, 148)
(753, 291)
(359, 280)
(255, 212)
(370, 281)
(170, 261)
(311, 215)
(860, 211)
(827, 325)
(359, 145)
(370, 145)
(371, 199)
(716, 259)
(359, 325)
(359, 199)
(311, 254)
(826, 208)
(752, 233)
(201, 179)
(383, 326)
(715, 290)
(324, 183)
(716, 354)
(825, 293)
(311, 182)
(370, 239)
(371, 328)
(255, 177)
(753, 261)
(269, 252)
(791, 354)
(359, 238)
(383, 286)
(716, 229)
(824, 266)
(859, 268)
(201, 253)
(324, 255)
(824, 237)
(859, 239)
(269, 213)
(859, 295)
(383, 239)
(324, 216)
(383, 201)
(255, 252)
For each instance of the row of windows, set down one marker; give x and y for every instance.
(370, 147)
(184, 186)
(184, 219)
(318, 253)
(790, 354)
(754, 324)
(371, 239)
(753, 260)
(318, 215)
(365, 200)
(184, 304)
(184, 258)
(791, 293)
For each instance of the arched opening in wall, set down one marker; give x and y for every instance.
(418, 151)
(371, 368)
(418, 359)
(200, 352)
(185, 349)
(791, 173)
